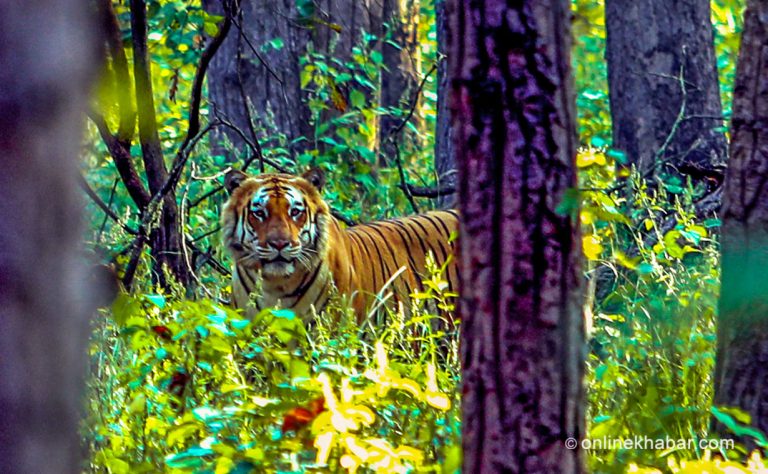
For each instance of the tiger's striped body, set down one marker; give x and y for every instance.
(289, 251)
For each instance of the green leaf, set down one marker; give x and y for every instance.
(366, 153)
(617, 155)
(737, 429)
(189, 458)
(124, 307)
(161, 353)
(357, 99)
(569, 205)
(283, 313)
(598, 142)
(645, 268)
(157, 300)
(137, 404)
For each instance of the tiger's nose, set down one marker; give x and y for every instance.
(279, 244)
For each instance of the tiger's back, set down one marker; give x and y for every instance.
(378, 250)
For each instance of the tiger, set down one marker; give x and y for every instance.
(290, 252)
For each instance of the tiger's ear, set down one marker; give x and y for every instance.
(316, 178)
(233, 178)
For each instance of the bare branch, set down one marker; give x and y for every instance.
(104, 207)
(415, 102)
(244, 98)
(120, 151)
(403, 179)
(255, 147)
(396, 130)
(202, 68)
(109, 206)
(338, 215)
(431, 192)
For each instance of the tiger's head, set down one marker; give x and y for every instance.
(276, 223)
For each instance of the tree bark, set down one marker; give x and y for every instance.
(445, 166)
(742, 355)
(249, 77)
(660, 124)
(354, 17)
(399, 75)
(522, 331)
(45, 69)
(271, 90)
(165, 238)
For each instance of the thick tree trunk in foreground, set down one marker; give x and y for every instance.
(649, 44)
(43, 329)
(742, 356)
(522, 330)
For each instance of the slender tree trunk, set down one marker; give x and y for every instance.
(742, 355)
(45, 56)
(399, 76)
(665, 123)
(165, 238)
(445, 166)
(522, 330)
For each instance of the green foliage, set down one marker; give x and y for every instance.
(653, 296)
(190, 386)
(590, 72)
(182, 386)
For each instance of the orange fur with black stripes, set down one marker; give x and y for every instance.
(289, 251)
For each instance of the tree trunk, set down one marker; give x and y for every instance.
(264, 83)
(742, 355)
(399, 76)
(445, 166)
(659, 124)
(353, 16)
(522, 332)
(44, 72)
(271, 90)
(165, 238)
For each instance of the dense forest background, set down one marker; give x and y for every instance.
(179, 382)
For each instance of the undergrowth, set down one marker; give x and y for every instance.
(183, 386)
(192, 386)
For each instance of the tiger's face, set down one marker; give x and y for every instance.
(275, 222)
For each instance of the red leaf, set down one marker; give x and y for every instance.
(299, 417)
(163, 332)
(178, 383)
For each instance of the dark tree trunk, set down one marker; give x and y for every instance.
(522, 332)
(265, 86)
(742, 355)
(649, 44)
(354, 17)
(445, 166)
(45, 56)
(165, 238)
(271, 90)
(399, 76)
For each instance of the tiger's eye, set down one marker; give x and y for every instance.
(259, 214)
(295, 212)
